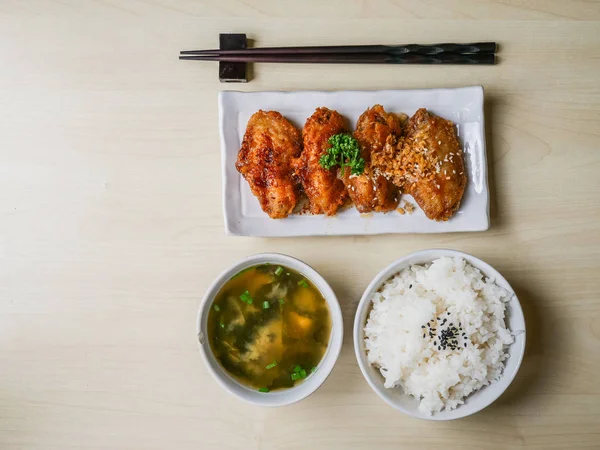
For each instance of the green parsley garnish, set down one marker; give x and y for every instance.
(222, 324)
(246, 298)
(216, 308)
(266, 305)
(313, 370)
(344, 152)
(281, 301)
(295, 376)
(303, 283)
(270, 366)
(279, 271)
(297, 369)
(263, 390)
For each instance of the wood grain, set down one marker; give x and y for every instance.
(111, 223)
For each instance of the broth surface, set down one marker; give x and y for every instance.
(269, 327)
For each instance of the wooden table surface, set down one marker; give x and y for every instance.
(111, 222)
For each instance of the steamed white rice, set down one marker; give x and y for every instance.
(408, 306)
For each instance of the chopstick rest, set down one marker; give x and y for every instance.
(233, 72)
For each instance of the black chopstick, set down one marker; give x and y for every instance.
(351, 58)
(433, 49)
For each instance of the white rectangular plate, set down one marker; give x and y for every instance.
(243, 215)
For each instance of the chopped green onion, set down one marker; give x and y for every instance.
(281, 301)
(313, 370)
(295, 376)
(263, 390)
(216, 308)
(245, 297)
(279, 271)
(222, 324)
(266, 305)
(273, 364)
(303, 373)
(303, 283)
(297, 369)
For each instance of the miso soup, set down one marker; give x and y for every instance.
(269, 327)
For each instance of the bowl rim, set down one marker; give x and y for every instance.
(314, 380)
(430, 255)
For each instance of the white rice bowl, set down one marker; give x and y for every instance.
(471, 311)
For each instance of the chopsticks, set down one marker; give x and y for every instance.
(351, 58)
(433, 49)
(475, 53)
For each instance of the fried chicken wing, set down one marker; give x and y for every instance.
(429, 166)
(325, 192)
(269, 148)
(371, 191)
